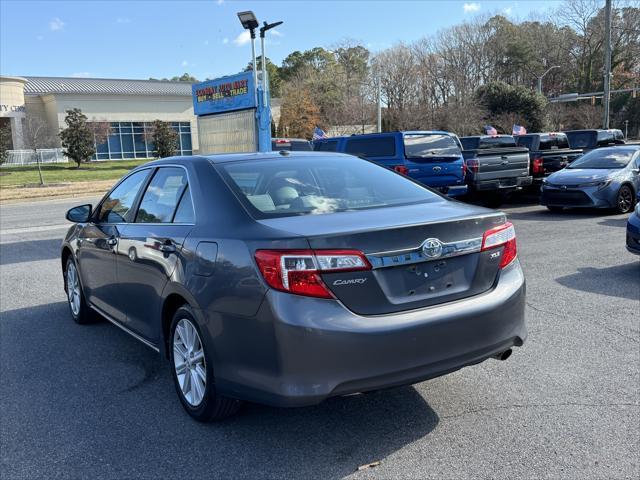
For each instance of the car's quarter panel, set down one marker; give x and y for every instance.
(323, 349)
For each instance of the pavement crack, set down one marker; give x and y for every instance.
(538, 405)
(595, 322)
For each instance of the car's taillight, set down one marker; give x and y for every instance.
(503, 235)
(298, 271)
(537, 165)
(464, 170)
(401, 169)
(473, 164)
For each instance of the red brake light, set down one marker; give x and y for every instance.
(473, 164)
(464, 170)
(503, 235)
(298, 271)
(538, 165)
(401, 169)
(282, 141)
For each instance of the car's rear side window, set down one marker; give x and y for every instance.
(372, 147)
(328, 146)
(184, 212)
(115, 207)
(162, 195)
(318, 185)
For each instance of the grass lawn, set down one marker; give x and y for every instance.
(67, 172)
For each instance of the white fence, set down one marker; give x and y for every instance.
(28, 157)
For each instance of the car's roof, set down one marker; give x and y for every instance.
(235, 157)
(619, 147)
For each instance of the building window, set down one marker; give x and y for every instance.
(127, 141)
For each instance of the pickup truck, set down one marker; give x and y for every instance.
(496, 166)
(291, 144)
(588, 140)
(548, 153)
(433, 158)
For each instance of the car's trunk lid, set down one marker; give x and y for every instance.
(404, 276)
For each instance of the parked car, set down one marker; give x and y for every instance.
(287, 278)
(633, 231)
(603, 178)
(291, 144)
(433, 158)
(588, 140)
(496, 166)
(548, 153)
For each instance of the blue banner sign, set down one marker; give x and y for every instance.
(235, 92)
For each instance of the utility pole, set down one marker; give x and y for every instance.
(379, 122)
(544, 75)
(607, 64)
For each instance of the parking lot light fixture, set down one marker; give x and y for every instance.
(250, 22)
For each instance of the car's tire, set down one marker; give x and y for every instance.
(555, 209)
(625, 199)
(192, 371)
(80, 311)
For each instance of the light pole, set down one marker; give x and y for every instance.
(606, 98)
(543, 75)
(250, 22)
(265, 81)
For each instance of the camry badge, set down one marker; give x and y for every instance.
(432, 248)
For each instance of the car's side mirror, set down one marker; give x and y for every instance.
(79, 214)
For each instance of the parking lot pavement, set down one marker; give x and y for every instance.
(89, 401)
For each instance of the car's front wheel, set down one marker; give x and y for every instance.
(80, 311)
(624, 200)
(193, 372)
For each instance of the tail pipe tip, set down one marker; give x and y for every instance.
(503, 355)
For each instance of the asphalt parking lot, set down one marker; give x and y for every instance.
(92, 402)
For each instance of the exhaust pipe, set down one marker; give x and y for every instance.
(503, 355)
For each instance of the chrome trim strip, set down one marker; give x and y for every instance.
(414, 255)
(125, 329)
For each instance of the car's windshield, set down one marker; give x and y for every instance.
(605, 158)
(318, 185)
(430, 145)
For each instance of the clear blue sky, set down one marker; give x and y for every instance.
(162, 38)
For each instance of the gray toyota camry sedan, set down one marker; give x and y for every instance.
(287, 278)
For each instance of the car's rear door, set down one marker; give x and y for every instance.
(98, 243)
(151, 247)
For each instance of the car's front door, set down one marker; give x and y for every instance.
(151, 246)
(98, 242)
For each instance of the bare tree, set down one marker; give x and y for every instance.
(36, 135)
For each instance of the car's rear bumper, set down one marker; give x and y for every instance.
(501, 184)
(304, 350)
(453, 190)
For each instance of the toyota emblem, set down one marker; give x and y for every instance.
(432, 248)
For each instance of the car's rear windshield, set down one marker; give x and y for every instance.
(497, 142)
(553, 141)
(605, 158)
(582, 139)
(318, 185)
(524, 141)
(292, 145)
(430, 145)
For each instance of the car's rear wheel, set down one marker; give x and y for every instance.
(624, 200)
(80, 311)
(193, 372)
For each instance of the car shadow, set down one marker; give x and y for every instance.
(29, 251)
(615, 222)
(589, 279)
(105, 403)
(543, 214)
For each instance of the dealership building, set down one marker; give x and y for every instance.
(128, 105)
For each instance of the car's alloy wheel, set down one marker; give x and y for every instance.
(189, 362)
(73, 289)
(193, 370)
(625, 199)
